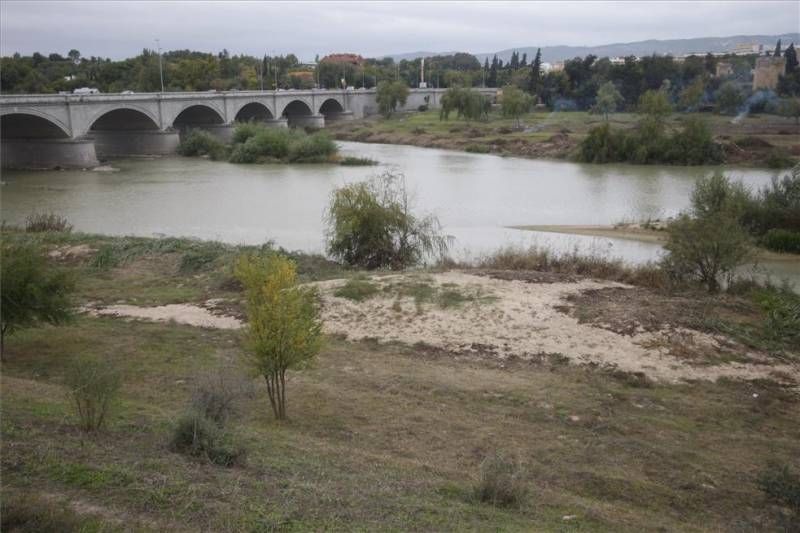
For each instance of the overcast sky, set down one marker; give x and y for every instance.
(123, 29)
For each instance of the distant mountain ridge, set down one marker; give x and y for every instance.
(700, 45)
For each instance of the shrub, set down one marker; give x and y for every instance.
(370, 225)
(357, 290)
(422, 108)
(200, 143)
(31, 513)
(197, 436)
(217, 396)
(779, 159)
(31, 291)
(477, 149)
(782, 487)
(782, 320)
(93, 387)
(782, 240)
(501, 481)
(283, 327)
(706, 249)
(41, 222)
(351, 161)
(315, 148)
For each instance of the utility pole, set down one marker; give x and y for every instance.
(160, 67)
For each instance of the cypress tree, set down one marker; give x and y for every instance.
(777, 49)
(791, 59)
(536, 72)
(524, 61)
(492, 81)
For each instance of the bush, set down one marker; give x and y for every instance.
(782, 321)
(31, 513)
(779, 159)
(501, 481)
(706, 249)
(217, 396)
(357, 290)
(200, 143)
(370, 225)
(41, 222)
(31, 291)
(351, 161)
(422, 108)
(782, 240)
(197, 436)
(93, 387)
(315, 148)
(782, 487)
(477, 149)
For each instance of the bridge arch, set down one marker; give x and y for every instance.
(31, 124)
(123, 118)
(196, 115)
(331, 108)
(295, 111)
(253, 111)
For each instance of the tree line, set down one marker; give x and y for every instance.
(690, 84)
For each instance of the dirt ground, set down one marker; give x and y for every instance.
(531, 320)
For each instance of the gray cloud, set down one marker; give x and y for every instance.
(122, 29)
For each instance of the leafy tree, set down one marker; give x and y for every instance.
(515, 103)
(790, 108)
(371, 225)
(692, 95)
(389, 95)
(283, 329)
(32, 291)
(469, 104)
(608, 99)
(655, 104)
(709, 241)
(729, 98)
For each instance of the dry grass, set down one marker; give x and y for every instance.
(385, 437)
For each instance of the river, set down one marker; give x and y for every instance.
(476, 197)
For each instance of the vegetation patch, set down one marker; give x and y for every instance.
(357, 290)
(351, 161)
(42, 222)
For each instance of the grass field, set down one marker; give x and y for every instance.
(557, 134)
(380, 436)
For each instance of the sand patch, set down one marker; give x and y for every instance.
(191, 315)
(65, 252)
(523, 320)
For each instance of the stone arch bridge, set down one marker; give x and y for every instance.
(46, 131)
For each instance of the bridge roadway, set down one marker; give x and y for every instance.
(46, 131)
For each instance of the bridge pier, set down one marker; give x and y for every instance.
(336, 116)
(38, 154)
(276, 123)
(307, 121)
(134, 142)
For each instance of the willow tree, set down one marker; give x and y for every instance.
(283, 328)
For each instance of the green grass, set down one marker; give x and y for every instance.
(379, 437)
(357, 290)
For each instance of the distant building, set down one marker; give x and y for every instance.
(86, 90)
(767, 72)
(724, 70)
(558, 66)
(617, 60)
(351, 59)
(744, 49)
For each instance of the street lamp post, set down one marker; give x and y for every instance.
(160, 67)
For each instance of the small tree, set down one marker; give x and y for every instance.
(389, 95)
(283, 328)
(655, 105)
(608, 99)
(515, 103)
(32, 291)
(709, 242)
(790, 108)
(370, 225)
(692, 94)
(729, 98)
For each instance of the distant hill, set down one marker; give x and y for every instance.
(638, 48)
